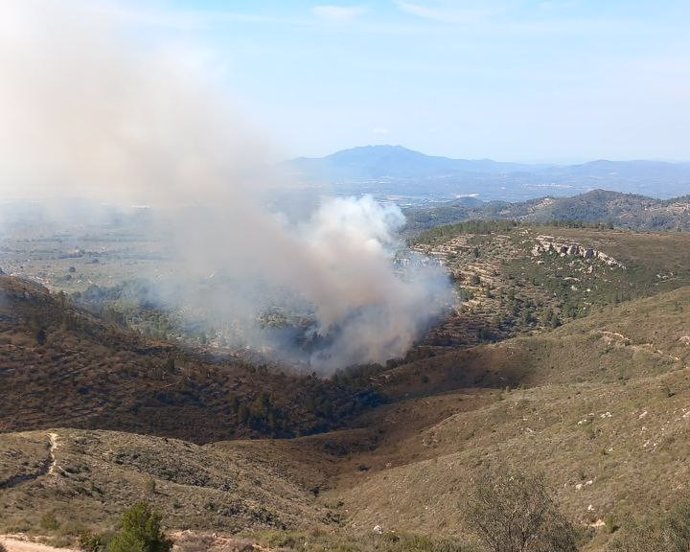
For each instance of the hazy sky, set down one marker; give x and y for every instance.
(525, 80)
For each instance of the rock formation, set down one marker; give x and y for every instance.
(549, 244)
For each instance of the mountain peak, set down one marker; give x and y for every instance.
(376, 151)
(384, 161)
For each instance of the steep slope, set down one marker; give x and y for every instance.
(600, 405)
(605, 449)
(61, 366)
(638, 339)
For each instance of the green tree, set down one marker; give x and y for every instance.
(140, 531)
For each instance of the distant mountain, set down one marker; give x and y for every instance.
(603, 167)
(369, 162)
(412, 177)
(630, 211)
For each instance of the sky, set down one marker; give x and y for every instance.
(513, 80)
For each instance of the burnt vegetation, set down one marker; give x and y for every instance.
(62, 365)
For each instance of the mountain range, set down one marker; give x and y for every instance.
(396, 172)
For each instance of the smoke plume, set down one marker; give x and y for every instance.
(92, 110)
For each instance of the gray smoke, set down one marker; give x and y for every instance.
(91, 112)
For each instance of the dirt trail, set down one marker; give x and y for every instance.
(17, 545)
(47, 467)
(53, 437)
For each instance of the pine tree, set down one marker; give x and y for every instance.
(140, 531)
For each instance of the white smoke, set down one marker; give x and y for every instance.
(88, 111)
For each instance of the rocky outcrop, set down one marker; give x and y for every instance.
(549, 244)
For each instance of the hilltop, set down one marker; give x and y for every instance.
(516, 278)
(380, 162)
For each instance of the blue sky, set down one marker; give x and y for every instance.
(517, 80)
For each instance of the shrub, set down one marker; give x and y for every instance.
(93, 542)
(50, 522)
(515, 512)
(140, 531)
(150, 485)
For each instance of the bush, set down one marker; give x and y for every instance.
(515, 512)
(140, 531)
(50, 522)
(93, 542)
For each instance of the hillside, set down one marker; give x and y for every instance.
(613, 209)
(62, 366)
(515, 278)
(570, 353)
(600, 405)
(84, 478)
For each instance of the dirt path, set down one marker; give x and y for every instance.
(17, 545)
(53, 437)
(47, 467)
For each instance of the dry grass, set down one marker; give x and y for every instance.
(100, 473)
(601, 405)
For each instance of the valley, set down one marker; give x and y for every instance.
(569, 349)
(402, 276)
